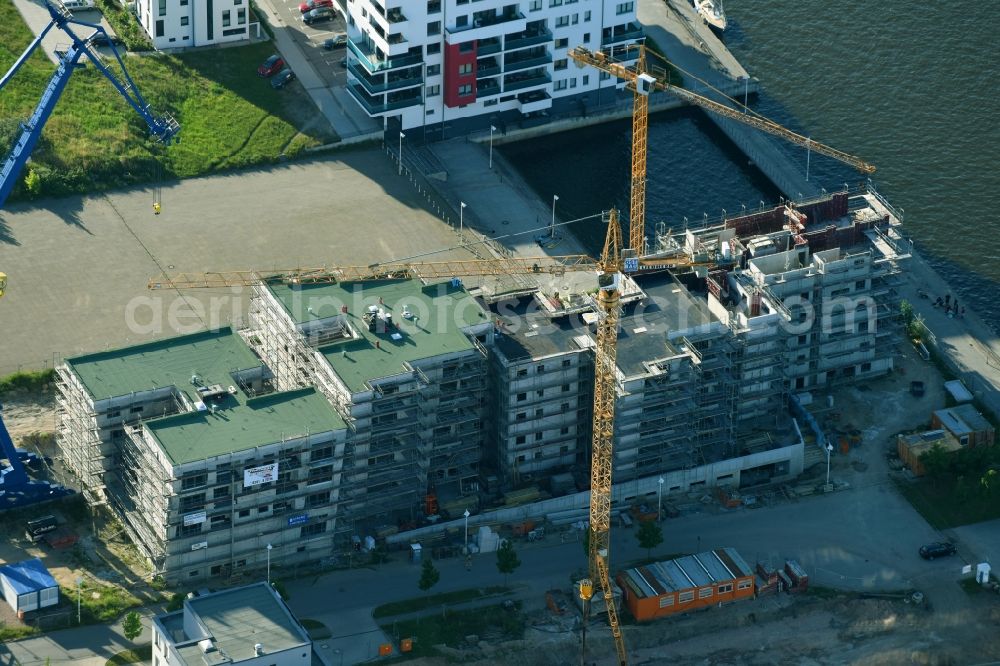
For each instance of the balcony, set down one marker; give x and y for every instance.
(488, 46)
(527, 60)
(376, 106)
(526, 38)
(487, 88)
(536, 100)
(526, 80)
(487, 67)
(620, 34)
(372, 61)
(385, 82)
(487, 24)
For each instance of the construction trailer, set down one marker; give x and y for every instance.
(911, 447)
(28, 586)
(686, 583)
(967, 425)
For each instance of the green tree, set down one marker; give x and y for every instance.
(650, 535)
(429, 576)
(132, 626)
(937, 462)
(507, 560)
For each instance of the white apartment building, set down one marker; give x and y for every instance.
(173, 24)
(466, 64)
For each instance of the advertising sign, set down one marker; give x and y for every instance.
(199, 545)
(300, 519)
(255, 476)
(194, 518)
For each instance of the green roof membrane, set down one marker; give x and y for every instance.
(212, 355)
(441, 312)
(238, 424)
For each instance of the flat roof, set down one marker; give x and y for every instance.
(28, 576)
(441, 312)
(240, 618)
(212, 355)
(241, 423)
(963, 419)
(684, 573)
(526, 333)
(646, 327)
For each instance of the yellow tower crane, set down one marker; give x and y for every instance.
(642, 83)
(609, 269)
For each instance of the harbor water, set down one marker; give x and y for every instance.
(907, 86)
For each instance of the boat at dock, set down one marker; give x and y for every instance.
(712, 13)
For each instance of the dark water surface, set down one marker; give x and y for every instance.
(908, 86)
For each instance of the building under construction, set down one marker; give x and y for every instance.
(347, 410)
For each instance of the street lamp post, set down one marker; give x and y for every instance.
(552, 228)
(829, 450)
(79, 597)
(461, 218)
(401, 137)
(659, 497)
(492, 129)
(466, 514)
(268, 564)
(808, 153)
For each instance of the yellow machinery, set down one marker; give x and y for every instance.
(3, 283)
(642, 83)
(609, 268)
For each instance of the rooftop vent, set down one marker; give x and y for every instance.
(258, 649)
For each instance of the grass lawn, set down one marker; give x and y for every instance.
(229, 117)
(15, 632)
(432, 601)
(145, 653)
(99, 603)
(942, 508)
(491, 623)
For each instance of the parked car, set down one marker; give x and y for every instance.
(310, 5)
(282, 78)
(940, 549)
(104, 39)
(271, 66)
(318, 15)
(338, 42)
(77, 5)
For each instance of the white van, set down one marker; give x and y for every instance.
(77, 5)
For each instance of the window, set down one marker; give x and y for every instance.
(434, 28)
(586, 79)
(625, 8)
(539, 413)
(433, 6)
(565, 388)
(667, 600)
(562, 63)
(465, 90)
(522, 372)
(461, 22)
(320, 474)
(244, 513)
(560, 85)
(264, 509)
(226, 20)
(521, 416)
(433, 91)
(586, 17)
(433, 48)
(193, 574)
(241, 16)
(312, 530)
(538, 436)
(189, 530)
(192, 502)
(521, 397)
(433, 70)
(540, 393)
(184, 3)
(321, 454)
(562, 42)
(162, 8)
(317, 499)
(555, 3)
(705, 592)
(184, 20)
(586, 37)
(159, 30)
(465, 69)
(220, 492)
(685, 597)
(743, 584)
(521, 439)
(564, 430)
(220, 522)
(466, 47)
(189, 482)
(562, 21)
(726, 588)
(535, 5)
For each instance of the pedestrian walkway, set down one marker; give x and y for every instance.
(346, 117)
(36, 16)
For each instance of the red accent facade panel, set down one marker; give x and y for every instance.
(454, 59)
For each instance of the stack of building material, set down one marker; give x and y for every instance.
(767, 580)
(798, 575)
(488, 540)
(523, 496)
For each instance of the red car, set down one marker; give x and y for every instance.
(309, 5)
(271, 66)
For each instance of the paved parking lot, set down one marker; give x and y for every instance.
(310, 39)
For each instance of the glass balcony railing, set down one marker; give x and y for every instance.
(370, 60)
(520, 40)
(631, 32)
(483, 21)
(515, 64)
(374, 107)
(489, 67)
(488, 46)
(486, 88)
(519, 81)
(377, 85)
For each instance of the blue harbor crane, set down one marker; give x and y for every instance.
(163, 127)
